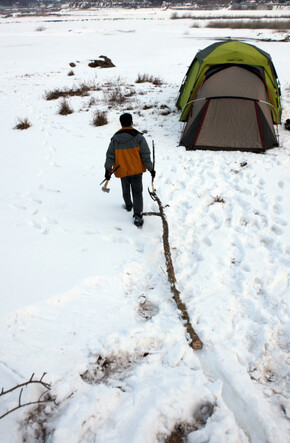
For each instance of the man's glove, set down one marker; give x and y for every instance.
(153, 173)
(107, 174)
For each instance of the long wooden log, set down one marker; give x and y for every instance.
(194, 340)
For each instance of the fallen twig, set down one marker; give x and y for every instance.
(30, 381)
(20, 386)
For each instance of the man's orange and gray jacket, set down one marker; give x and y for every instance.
(128, 148)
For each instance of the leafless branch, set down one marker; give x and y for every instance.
(21, 386)
(30, 381)
(21, 405)
(195, 341)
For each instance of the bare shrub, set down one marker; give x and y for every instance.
(146, 78)
(82, 90)
(146, 107)
(129, 93)
(175, 16)
(116, 95)
(157, 81)
(100, 118)
(92, 102)
(65, 108)
(22, 123)
(40, 29)
(55, 94)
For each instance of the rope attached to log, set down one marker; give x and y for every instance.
(194, 341)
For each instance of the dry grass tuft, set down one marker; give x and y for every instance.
(217, 199)
(146, 78)
(116, 96)
(65, 108)
(22, 123)
(100, 118)
(82, 90)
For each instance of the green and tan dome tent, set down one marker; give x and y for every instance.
(230, 99)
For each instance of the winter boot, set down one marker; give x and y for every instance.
(138, 221)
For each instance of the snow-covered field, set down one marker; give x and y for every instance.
(84, 294)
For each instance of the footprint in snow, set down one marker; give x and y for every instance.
(281, 222)
(146, 309)
(116, 239)
(276, 230)
(139, 246)
(207, 241)
(15, 206)
(277, 209)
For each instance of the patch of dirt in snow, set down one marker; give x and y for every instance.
(37, 425)
(181, 430)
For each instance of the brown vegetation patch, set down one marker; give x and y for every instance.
(22, 123)
(180, 433)
(81, 91)
(251, 24)
(100, 118)
(217, 199)
(118, 93)
(182, 429)
(146, 107)
(36, 425)
(65, 108)
(146, 78)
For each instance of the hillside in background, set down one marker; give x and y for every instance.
(87, 4)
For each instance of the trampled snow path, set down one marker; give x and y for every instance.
(241, 246)
(113, 346)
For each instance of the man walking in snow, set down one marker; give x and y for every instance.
(129, 149)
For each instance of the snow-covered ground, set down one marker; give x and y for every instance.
(84, 294)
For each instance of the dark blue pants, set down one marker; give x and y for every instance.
(133, 185)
